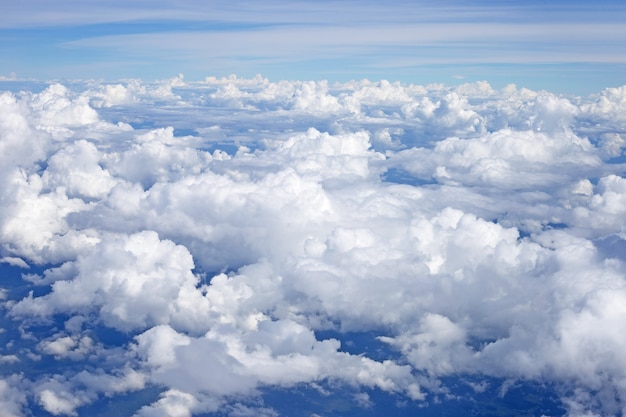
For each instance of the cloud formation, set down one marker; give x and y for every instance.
(251, 226)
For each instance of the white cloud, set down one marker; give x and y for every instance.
(57, 109)
(34, 224)
(473, 231)
(118, 94)
(607, 104)
(14, 261)
(288, 43)
(77, 168)
(21, 143)
(132, 282)
(173, 403)
(59, 403)
(603, 212)
(12, 398)
(68, 347)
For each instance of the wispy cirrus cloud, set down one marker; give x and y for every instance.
(474, 42)
(306, 39)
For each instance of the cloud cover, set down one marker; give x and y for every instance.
(234, 222)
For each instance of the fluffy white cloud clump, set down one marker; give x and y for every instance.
(208, 240)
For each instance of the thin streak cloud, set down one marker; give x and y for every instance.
(428, 43)
(336, 40)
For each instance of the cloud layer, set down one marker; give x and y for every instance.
(233, 223)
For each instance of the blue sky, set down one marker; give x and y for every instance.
(574, 46)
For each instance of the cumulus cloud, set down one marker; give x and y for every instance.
(251, 227)
(132, 282)
(12, 399)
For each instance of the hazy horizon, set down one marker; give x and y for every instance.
(572, 47)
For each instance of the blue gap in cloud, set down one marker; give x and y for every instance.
(126, 404)
(361, 343)
(110, 337)
(228, 147)
(333, 400)
(468, 394)
(492, 397)
(206, 276)
(400, 176)
(488, 396)
(617, 160)
(180, 132)
(13, 342)
(18, 288)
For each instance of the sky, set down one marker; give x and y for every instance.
(574, 47)
(317, 209)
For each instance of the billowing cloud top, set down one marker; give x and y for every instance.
(200, 242)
